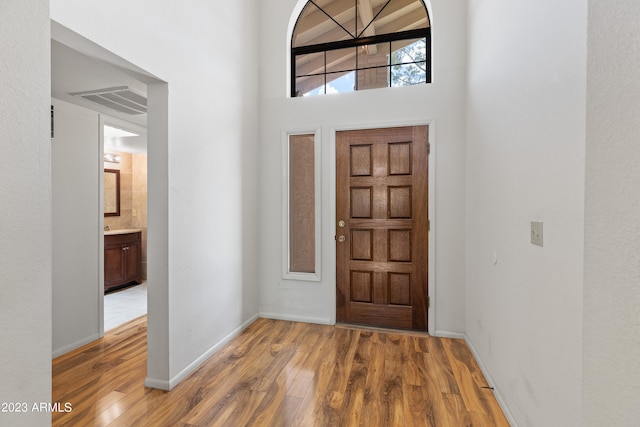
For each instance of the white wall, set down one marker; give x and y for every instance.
(442, 103)
(75, 169)
(612, 235)
(203, 179)
(25, 209)
(525, 162)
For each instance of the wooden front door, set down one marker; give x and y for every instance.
(382, 227)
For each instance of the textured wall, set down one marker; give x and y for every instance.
(612, 234)
(25, 209)
(139, 202)
(525, 162)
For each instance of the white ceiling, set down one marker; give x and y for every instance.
(72, 71)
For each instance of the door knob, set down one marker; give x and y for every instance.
(341, 239)
(341, 224)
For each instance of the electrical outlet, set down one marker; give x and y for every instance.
(536, 233)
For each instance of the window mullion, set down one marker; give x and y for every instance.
(325, 72)
(312, 47)
(390, 64)
(357, 77)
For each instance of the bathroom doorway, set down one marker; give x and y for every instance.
(124, 190)
(78, 223)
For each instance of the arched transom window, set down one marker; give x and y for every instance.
(348, 45)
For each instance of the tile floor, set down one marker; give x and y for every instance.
(124, 305)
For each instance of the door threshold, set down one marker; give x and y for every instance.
(381, 329)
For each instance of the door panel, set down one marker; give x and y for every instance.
(381, 207)
(132, 261)
(113, 270)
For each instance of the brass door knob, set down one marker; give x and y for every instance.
(341, 239)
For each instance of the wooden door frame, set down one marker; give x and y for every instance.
(431, 311)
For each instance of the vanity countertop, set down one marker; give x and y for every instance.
(121, 231)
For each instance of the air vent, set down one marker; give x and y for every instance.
(119, 98)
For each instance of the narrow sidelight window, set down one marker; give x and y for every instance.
(302, 207)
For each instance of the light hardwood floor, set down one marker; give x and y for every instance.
(279, 373)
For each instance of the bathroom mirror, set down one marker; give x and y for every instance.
(111, 192)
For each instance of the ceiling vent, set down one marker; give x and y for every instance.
(119, 98)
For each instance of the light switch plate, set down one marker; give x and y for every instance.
(536, 233)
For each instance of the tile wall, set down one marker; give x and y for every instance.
(133, 197)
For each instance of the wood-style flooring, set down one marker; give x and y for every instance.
(278, 373)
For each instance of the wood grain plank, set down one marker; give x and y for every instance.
(393, 403)
(273, 404)
(442, 365)
(353, 397)
(372, 411)
(313, 406)
(245, 376)
(442, 412)
(469, 391)
(418, 406)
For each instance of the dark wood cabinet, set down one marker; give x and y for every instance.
(122, 259)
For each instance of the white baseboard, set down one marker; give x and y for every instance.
(296, 318)
(169, 385)
(158, 384)
(454, 335)
(73, 346)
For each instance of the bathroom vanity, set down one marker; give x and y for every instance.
(122, 258)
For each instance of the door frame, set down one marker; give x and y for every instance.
(158, 359)
(431, 289)
(106, 120)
